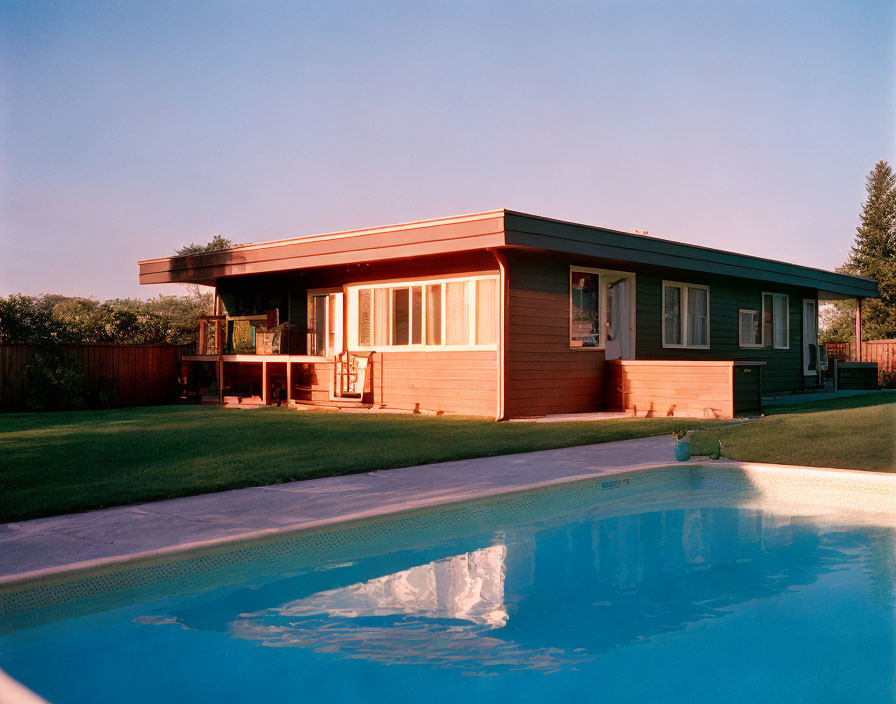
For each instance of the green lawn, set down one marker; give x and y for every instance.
(858, 432)
(52, 463)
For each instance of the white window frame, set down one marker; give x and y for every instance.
(683, 287)
(771, 343)
(309, 312)
(753, 345)
(603, 275)
(351, 294)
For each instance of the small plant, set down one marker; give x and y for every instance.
(717, 453)
(680, 433)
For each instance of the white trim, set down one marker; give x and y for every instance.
(603, 274)
(753, 345)
(771, 343)
(683, 313)
(470, 302)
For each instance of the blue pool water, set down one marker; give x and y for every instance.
(696, 596)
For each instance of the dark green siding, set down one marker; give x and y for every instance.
(784, 368)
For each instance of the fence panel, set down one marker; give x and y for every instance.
(114, 375)
(881, 351)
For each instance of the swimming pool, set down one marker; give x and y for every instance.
(687, 584)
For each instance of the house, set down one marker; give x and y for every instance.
(507, 315)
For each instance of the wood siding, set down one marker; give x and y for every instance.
(543, 374)
(784, 368)
(116, 375)
(462, 382)
(679, 389)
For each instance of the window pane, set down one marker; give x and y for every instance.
(434, 314)
(780, 321)
(698, 334)
(487, 312)
(672, 315)
(457, 325)
(416, 315)
(365, 315)
(380, 317)
(319, 338)
(400, 316)
(767, 313)
(584, 328)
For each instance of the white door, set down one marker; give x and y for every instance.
(810, 337)
(619, 318)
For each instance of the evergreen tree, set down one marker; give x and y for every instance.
(873, 254)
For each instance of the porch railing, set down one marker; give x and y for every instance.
(246, 335)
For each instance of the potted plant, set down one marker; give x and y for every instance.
(682, 444)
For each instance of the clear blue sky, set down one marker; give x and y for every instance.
(131, 128)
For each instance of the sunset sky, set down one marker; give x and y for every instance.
(129, 129)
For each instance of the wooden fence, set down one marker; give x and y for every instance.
(117, 375)
(881, 351)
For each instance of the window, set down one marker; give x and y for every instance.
(454, 312)
(776, 320)
(750, 328)
(584, 293)
(593, 296)
(685, 315)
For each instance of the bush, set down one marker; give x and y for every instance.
(55, 380)
(886, 379)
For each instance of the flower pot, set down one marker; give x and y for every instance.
(682, 450)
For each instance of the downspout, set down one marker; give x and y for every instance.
(503, 330)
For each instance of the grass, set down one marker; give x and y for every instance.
(53, 463)
(857, 432)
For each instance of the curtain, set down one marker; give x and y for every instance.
(697, 316)
(380, 316)
(434, 314)
(401, 316)
(672, 315)
(365, 317)
(457, 324)
(780, 307)
(486, 312)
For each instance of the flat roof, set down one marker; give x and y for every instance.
(501, 228)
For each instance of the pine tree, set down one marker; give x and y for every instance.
(873, 253)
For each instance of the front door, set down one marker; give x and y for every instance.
(324, 323)
(620, 326)
(810, 337)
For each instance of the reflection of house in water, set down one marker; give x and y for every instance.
(551, 597)
(469, 587)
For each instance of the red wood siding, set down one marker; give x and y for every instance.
(666, 388)
(452, 381)
(543, 374)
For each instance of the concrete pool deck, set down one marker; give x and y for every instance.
(49, 548)
(44, 545)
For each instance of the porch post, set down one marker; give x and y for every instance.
(288, 382)
(858, 330)
(264, 383)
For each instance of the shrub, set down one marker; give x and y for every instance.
(886, 379)
(55, 380)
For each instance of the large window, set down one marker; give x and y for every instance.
(776, 320)
(685, 315)
(749, 328)
(460, 312)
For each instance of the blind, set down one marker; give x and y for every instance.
(365, 317)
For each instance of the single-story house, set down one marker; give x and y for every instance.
(507, 315)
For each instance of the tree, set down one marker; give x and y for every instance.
(218, 243)
(873, 254)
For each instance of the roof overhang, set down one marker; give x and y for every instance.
(490, 229)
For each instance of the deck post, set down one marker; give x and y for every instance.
(264, 383)
(858, 330)
(288, 382)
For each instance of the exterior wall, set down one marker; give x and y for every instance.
(543, 375)
(662, 388)
(784, 368)
(454, 382)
